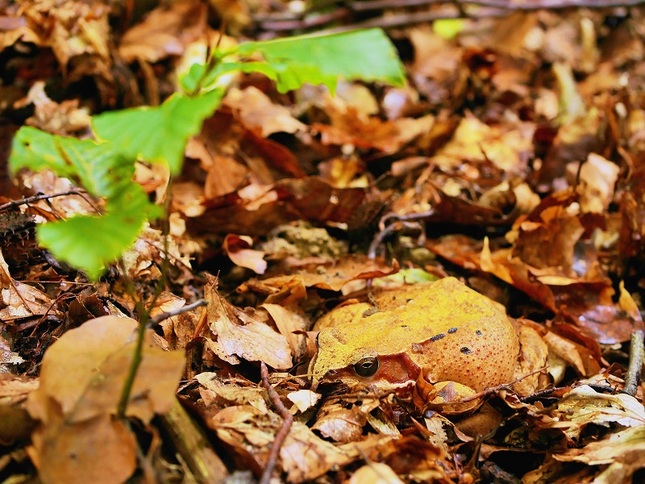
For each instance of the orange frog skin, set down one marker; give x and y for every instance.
(442, 336)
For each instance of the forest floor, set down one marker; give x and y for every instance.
(512, 159)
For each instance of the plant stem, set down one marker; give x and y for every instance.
(137, 354)
(144, 314)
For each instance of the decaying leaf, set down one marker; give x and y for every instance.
(622, 452)
(513, 158)
(238, 248)
(81, 382)
(241, 335)
(164, 32)
(258, 114)
(101, 449)
(19, 300)
(584, 406)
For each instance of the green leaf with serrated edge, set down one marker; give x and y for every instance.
(198, 77)
(90, 243)
(157, 134)
(363, 54)
(95, 166)
(36, 150)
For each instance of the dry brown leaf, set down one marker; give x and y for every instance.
(101, 450)
(415, 458)
(71, 28)
(357, 96)
(598, 177)
(224, 176)
(309, 198)
(20, 300)
(83, 374)
(550, 242)
(15, 27)
(305, 456)
(304, 399)
(533, 355)
(7, 357)
(627, 303)
(235, 13)
(565, 350)
(350, 127)
(437, 70)
(238, 248)
(292, 325)
(339, 423)
(218, 394)
(64, 118)
(178, 330)
(583, 406)
(81, 381)
(622, 452)
(236, 334)
(507, 147)
(15, 422)
(259, 114)
(15, 389)
(47, 182)
(376, 473)
(574, 142)
(349, 268)
(254, 341)
(165, 32)
(144, 259)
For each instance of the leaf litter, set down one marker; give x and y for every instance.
(513, 158)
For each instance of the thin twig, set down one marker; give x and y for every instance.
(287, 422)
(510, 5)
(389, 230)
(445, 9)
(491, 390)
(37, 198)
(636, 350)
(175, 312)
(412, 18)
(306, 22)
(555, 4)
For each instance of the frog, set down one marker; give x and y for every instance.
(440, 344)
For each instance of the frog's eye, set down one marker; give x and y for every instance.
(366, 366)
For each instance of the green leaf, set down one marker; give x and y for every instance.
(158, 134)
(448, 28)
(95, 166)
(363, 54)
(413, 275)
(91, 242)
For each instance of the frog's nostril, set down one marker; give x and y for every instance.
(366, 366)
